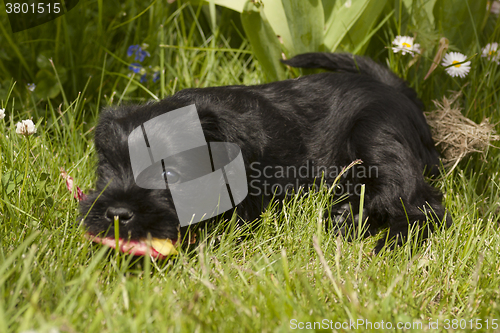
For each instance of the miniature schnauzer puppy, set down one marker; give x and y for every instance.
(292, 134)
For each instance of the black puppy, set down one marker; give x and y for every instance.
(291, 134)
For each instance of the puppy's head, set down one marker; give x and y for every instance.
(143, 212)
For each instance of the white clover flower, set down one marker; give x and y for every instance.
(26, 127)
(31, 86)
(459, 69)
(405, 45)
(491, 52)
(2, 113)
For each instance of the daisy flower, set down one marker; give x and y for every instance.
(459, 69)
(405, 45)
(2, 113)
(494, 7)
(25, 127)
(491, 52)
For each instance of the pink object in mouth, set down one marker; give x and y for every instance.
(134, 247)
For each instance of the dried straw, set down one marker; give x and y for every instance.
(455, 135)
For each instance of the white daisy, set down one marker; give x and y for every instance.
(460, 69)
(2, 113)
(491, 52)
(25, 127)
(405, 45)
(495, 7)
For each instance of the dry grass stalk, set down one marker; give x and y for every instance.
(455, 135)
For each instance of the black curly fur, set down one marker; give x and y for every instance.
(361, 111)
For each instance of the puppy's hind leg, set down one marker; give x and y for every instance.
(397, 195)
(419, 225)
(401, 199)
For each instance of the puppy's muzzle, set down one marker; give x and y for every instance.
(124, 214)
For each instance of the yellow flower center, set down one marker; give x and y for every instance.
(455, 62)
(407, 45)
(492, 52)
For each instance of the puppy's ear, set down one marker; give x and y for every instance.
(117, 112)
(210, 124)
(114, 126)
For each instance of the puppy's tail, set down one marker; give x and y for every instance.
(348, 63)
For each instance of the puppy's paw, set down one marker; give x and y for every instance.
(345, 222)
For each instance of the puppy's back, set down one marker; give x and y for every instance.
(349, 63)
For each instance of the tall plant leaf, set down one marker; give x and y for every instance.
(355, 38)
(276, 16)
(328, 6)
(459, 20)
(342, 20)
(421, 9)
(236, 5)
(306, 23)
(264, 41)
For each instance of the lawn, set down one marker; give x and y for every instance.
(288, 274)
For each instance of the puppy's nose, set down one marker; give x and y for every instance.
(124, 214)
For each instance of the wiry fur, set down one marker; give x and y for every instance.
(361, 111)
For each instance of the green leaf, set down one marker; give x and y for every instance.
(428, 7)
(328, 6)
(42, 181)
(236, 5)
(6, 177)
(421, 13)
(132, 86)
(342, 20)
(361, 47)
(44, 176)
(355, 38)
(42, 61)
(47, 86)
(10, 187)
(264, 42)
(275, 14)
(459, 20)
(10, 179)
(306, 22)
(49, 202)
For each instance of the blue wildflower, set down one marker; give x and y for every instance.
(140, 54)
(143, 78)
(31, 86)
(132, 49)
(156, 76)
(135, 67)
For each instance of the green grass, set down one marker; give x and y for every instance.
(53, 278)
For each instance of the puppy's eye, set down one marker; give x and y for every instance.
(171, 176)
